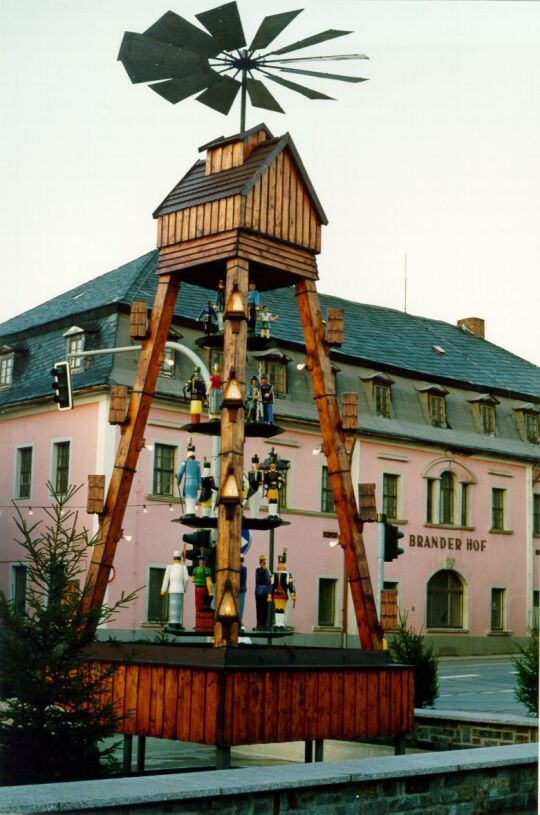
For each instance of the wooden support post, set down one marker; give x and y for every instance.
(319, 749)
(129, 447)
(141, 753)
(127, 754)
(232, 454)
(339, 474)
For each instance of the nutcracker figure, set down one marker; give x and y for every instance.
(207, 317)
(175, 583)
(254, 487)
(219, 305)
(214, 392)
(253, 303)
(267, 399)
(208, 486)
(273, 482)
(265, 317)
(190, 473)
(195, 391)
(262, 593)
(202, 579)
(282, 588)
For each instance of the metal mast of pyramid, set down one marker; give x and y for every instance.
(247, 212)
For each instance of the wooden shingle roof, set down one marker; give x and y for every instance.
(197, 188)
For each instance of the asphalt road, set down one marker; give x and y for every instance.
(479, 684)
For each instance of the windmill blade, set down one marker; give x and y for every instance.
(318, 59)
(225, 25)
(221, 95)
(330, 34)
(324, 76)
(270, 28)
(293, 86)
(138, 48)
(173, 29)
(177, 89)
(260, 96)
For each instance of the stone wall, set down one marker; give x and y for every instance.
(493, 779)
(444, 730)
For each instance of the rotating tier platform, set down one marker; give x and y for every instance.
(253, 430)
(202, 522)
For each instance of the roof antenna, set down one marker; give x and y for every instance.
(405, 285)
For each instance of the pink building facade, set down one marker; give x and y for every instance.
(453, 454)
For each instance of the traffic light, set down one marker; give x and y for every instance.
(391, 536)
(200, 541)
(61, 386)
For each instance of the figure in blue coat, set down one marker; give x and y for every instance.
(190, 472)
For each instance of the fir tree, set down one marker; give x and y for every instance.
(409, 648)
(526, 665)
(54, 712)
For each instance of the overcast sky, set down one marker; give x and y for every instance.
(435, 158)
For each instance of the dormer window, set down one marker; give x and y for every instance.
(532, 427)
(7, 357)
(168, 362)
(488, 419)
(528, 419)
(486, 407)
(437, 409)
(381, 393)
(75, 344)
(435, 396)
(274, 363)
(383, 399)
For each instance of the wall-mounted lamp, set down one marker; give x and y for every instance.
(144, 508)
(333, 542)
(230, 495)
(301, 366)
(319, 449)
(232, 398)
(235, 310)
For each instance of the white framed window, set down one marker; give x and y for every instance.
(445, 600)
(391, 495)
(328, 602)
(498, 609)
(6, 370)
(448, 493)
(164, 470)
(75, 344)
(157, 605)
(499, 509)
(23, 472)
(18, 585)
(60, 466)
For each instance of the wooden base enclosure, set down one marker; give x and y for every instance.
(257, 695)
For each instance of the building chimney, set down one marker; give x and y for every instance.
(476, 325)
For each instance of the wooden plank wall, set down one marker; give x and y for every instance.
(278, 206)
(262, 707)
(199, 221)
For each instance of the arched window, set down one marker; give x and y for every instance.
(445, 600)
(446, 511)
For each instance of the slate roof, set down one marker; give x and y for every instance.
(382, 338)
(197, 188)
